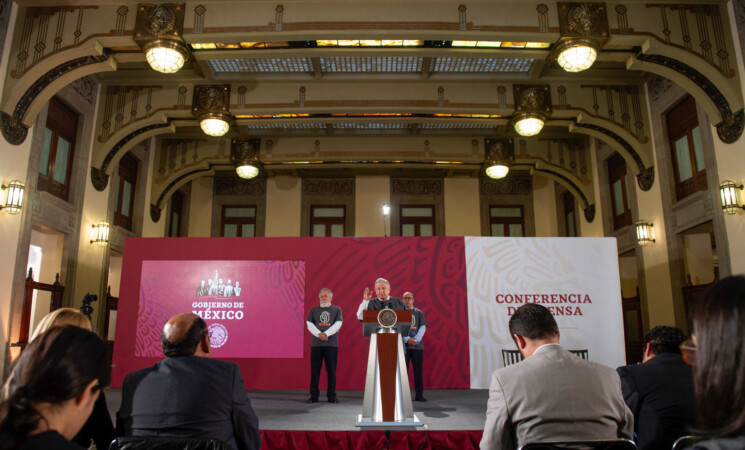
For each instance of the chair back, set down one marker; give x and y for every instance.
(167, 443)
(602, 444)
(510, 357)
(685, 442)
(584, 354)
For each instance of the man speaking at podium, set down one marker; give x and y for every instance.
(382, 301)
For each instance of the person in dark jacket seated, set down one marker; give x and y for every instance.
(660, 390)
(52, 390)
(188, 394)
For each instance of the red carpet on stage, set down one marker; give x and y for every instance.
(364, 440)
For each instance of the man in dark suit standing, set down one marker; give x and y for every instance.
(188, 394)
(660, 390)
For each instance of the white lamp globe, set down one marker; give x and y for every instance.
(214, 124)
(165, 56)
(528, 125)
(577, 56)
(247, 171)
(497, 171)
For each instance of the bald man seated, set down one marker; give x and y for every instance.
(188, 394)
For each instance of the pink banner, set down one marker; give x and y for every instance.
(245, 305)
(432, 268)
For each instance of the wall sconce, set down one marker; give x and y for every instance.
(386, 209)
(500, 153)
(244, 154)
(100, 234)
(532, 108)
(14, 200)
(644, 232)
(584, 29)
(158, 30)
(210, 105)
(730, 201)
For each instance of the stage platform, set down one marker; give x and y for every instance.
(446, 409)
(454, 418)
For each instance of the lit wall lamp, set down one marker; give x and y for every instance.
(532, 108)
(500, 153)
(158, 31)
(386, 209)
(210, 105)
(244, 154)
(644, 232)
(100, 234)
(584, 30)
(14, 200)
(730, 201)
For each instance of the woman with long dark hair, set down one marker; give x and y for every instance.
(52, 389)
(718, 356)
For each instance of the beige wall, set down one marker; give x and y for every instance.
(12, 167)
(656, 264)
(544, 205)
(594, 228)
(699, 257)
(370, 194)
(629, 275)
(462, 207)
(283, 206)
(150, 228)
(200, 207)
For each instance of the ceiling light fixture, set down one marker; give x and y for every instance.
(215, 124)
(576, 55)
(500, 153)
(244, 154)
(165, 55)
(528, 124)
(584, 30)
(158, 31)
(532, 108)
(210, 106)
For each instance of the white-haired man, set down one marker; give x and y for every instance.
(324, 322)
(383, 299)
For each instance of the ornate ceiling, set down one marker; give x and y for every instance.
(368, 84)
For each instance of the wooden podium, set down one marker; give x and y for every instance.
(387, 401)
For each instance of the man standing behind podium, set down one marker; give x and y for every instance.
(383, 299)
(414, 347)
(323, 323)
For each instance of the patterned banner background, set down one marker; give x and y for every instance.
(432, 268)
(576, 278)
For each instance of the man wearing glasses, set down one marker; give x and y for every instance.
(414, 347)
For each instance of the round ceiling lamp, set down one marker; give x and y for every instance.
(528, 124)
(576, 55)
(215, 124)
(497, 170)
(165, 55)
(247, 170)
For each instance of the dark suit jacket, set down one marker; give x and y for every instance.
(392, 302)
(660, 394)
(189, 396)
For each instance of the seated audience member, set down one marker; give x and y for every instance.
(552, 395)
(717, 353)
(53, 388)
(98, 427)
(660, 391)
(188, 394)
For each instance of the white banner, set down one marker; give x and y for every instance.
(577, 279)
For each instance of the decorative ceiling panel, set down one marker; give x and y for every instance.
(260, 65)
(493, 65)
(371, 64)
